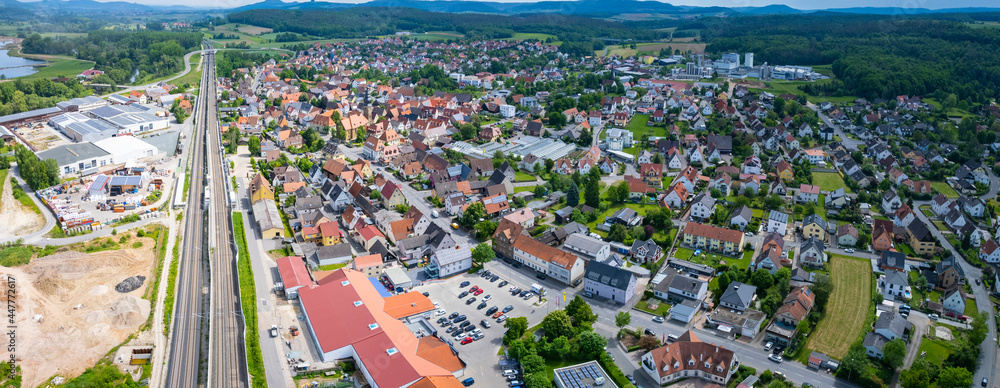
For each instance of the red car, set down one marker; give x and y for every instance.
(467, 340)
(962, 318)
(474, 289)
(479, 291)
(950, 314)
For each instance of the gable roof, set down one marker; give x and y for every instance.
(738, 294)
(611, 276)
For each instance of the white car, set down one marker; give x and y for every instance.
(439, 312)
(849, 250)
(768, 346)
(487, 297)
(775, 358)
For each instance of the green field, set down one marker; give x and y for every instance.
(193, 77)
(56, 66)
(792, 87)
(937, 350)
(847, 310)
(943, 188)
(829, 181)
(952, 112)
(524, 177)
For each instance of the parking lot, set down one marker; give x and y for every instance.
(480, 356)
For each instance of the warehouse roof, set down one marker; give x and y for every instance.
(72, 153)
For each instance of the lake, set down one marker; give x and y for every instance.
(16, 66)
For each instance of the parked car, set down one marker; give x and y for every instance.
(481, 306)
(542, 276)
(488, 297)
(474, 288)
(508, 308)
(465, 323)
(463, 294)
(494, 278)
(469, 381)
(502, 319)
(459, 319)
(775, 358)
(485, 323)
(464, 284)
(588, 294)
(274, 331)
(768, 345)
(502, 283)
(439, 312)
(479, 291)
(498, 314)
(509, 372)
(849, 250)
(658, 319)
(453, 315)
(649, 332)
(467, 340)
(451, 329)
(492, 310)
(528, 295)
(470, 300)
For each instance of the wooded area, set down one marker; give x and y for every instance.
(122, 54)
(874, 56)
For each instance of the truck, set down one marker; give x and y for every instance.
(538, 289)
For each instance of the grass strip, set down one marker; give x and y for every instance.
(248, 297)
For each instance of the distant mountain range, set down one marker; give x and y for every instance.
(581, 7)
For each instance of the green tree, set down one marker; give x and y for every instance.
(538, 380)
(823, 287)
(953, 377)
(618, 233)
(580, 311)
(472, 215)
(855, 363)
(573, 195)
(557, 324)
(254, 144)
(515, 328)
(913, 378)
(592, 193)
(549, 164)
(532, 363)
(591, 345)
(622, 319)
(482, 254)
(540, 192)
(893, 353)
(485, 229)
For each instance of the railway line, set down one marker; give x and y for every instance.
(207, 345)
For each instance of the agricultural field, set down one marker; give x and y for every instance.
(847, 309)
(829, 181)
(437, 35)
(530, 35)
(651, 49)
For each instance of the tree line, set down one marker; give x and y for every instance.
(361, 22)
(122, 54)
(874, 55)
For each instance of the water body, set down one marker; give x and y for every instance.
(11, 67)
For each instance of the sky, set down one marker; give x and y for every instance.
(799, 4)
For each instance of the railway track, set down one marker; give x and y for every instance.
(208, 332)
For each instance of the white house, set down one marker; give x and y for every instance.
(450, 262)
(507, 111)
(777, 222)
(954, 301)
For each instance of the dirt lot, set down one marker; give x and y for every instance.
(42, 136)
(69, 313)
(17, 220)
(254, 30)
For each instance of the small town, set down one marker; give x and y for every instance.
(393, 211)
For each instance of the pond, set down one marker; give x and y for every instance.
(11, 67)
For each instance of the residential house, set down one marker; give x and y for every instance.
(814, 226)
(738, 296)
(795, 308)
(812, 253)
(557, 264)
(807, 194)
(777, 222)
(740, 218)
(882, 235)
(645, 251)
(921, 239)
(954, 301)
(702, 206)
(689, 357)
(892, 261)
(889, 326)
(609, 282)
(891, 201)
(847, 235)
(587, 248)
(713, 238)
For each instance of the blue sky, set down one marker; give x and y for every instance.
(799, 4)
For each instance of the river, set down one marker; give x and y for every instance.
(11, 67)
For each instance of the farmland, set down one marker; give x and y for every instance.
(652, 49)
(847, 309)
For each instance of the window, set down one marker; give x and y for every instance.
(357, 303)
(691, 362)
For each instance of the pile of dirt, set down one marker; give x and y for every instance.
(128, 312)
(98, 290)
(130, 284)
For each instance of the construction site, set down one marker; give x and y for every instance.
(74, 307)
(18, 220)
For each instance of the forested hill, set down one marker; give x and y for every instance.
(874, 56)
(360, 22)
